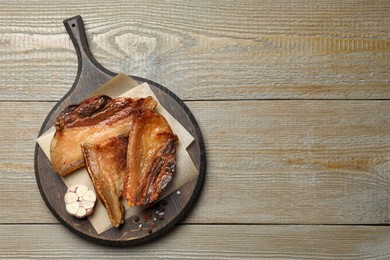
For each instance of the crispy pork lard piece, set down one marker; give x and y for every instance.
(106, 165)
(151, 158)
(92, 121)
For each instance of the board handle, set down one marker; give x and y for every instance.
(90, 72)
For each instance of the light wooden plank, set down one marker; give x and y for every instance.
(204, 49)
(295, 161)
(206, 242)
(318, 162)
(20, 124)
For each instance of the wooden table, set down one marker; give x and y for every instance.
(292, 98)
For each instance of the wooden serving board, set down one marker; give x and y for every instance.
(90, 76)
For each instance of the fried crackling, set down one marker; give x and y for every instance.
(151, 158)
(92, 121)
(106, 165)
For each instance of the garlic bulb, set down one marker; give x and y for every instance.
(79, 201)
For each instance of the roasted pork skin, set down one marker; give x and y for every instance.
(92, 121)
(106, 165)
(151, 158)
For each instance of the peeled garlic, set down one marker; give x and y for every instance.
(79, 201)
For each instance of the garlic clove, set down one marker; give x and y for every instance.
(87, 204)
(72, 207)
(71, 197)
(90, 196)
(72, 188)
(81, 212)
(81, 190)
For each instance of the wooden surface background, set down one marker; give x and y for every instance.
(293, 99)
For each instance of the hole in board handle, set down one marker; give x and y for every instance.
(73, 25)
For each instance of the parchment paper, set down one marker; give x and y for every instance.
(122, 85)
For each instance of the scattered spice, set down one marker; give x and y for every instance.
(159, 211)
(140, 227)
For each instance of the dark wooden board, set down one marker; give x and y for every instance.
(90, 76)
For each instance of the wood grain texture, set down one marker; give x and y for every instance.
(204, 49)
(207, 242)
(290, 162)
(270, 161)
